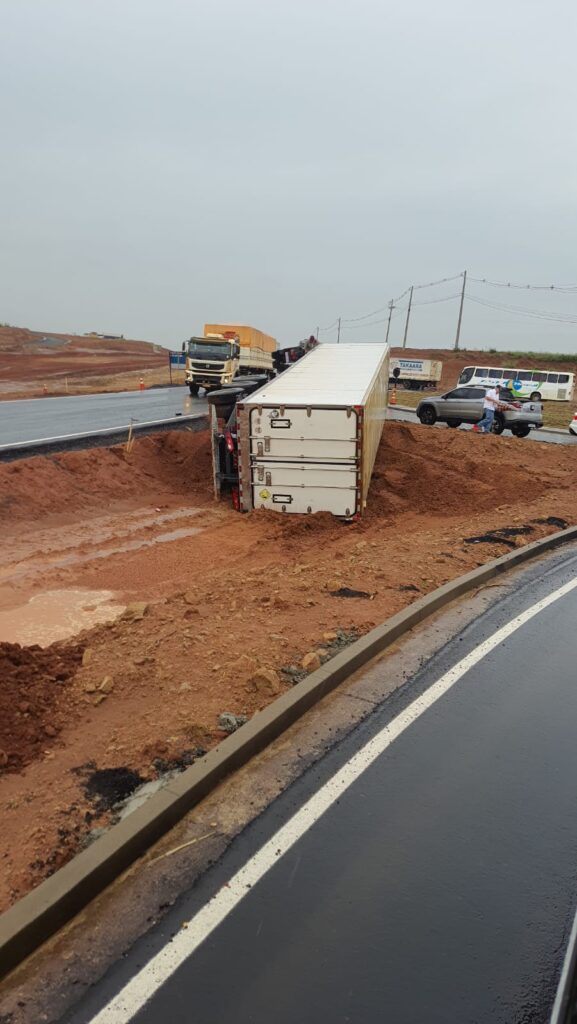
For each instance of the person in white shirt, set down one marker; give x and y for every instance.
(491, 403)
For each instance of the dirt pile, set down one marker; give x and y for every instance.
(33, 685)
(445, 475)
(30, 360)
(225, 612)
(178, 462)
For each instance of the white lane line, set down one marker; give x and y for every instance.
(140, 989)
(564, 980)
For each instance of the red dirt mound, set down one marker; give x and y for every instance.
(90, 480)
(33, 683)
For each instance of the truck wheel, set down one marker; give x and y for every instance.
(535, 396)
(520, 429)
(498, 424)
(453, 423)
(428, 416)
(194, 389)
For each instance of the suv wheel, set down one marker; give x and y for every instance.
(428, 416)
(454, 423)
(498, 424)
(520, 429)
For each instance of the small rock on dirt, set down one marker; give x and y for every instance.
(136, 610)
(265, 681)
(87, 655)
(107, 685)
(311, 661)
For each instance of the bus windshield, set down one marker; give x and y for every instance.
(221, 350)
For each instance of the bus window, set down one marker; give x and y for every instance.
(563, 378)
(524, 375)
(466, 374)
(510, 374)
(552, 378)
(495, 372)
(481, 371)
(538, 376)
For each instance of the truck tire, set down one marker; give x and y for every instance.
(520, 429)
(428, 416)
(224, 401)
(454, 423)
(194, 389)
(498, 424)
(535, 396)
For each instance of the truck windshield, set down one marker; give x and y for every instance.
(220, 350)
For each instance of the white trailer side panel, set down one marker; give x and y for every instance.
(374, 412)
(417, 369)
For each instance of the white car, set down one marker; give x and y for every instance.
(573, 424)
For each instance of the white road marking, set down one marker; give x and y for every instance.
(142, 987)
(558, 1007)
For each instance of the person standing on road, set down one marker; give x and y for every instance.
(490, 405)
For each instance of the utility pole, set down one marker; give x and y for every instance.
(458, 335)
(408, 315)
(391, 308)
(339, 331)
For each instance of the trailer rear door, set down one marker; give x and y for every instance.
(305, 487)
(301, 433)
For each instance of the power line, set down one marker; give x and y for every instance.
(365, 319)
(383, 320)
(526, 287)
(431, 302)
(538, 314)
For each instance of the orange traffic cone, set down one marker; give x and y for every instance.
(141, 384)
(393, 398)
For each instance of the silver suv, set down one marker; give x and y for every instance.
(465, 405)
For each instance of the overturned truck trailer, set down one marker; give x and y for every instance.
(307, 441)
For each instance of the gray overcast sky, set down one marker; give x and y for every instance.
(283, 162)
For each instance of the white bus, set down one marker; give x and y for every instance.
(534, 384)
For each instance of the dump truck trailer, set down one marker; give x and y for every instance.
(415, 374)
(226, 351)
(307, 441)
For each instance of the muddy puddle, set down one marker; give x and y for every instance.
(58, 615)
(37, 564)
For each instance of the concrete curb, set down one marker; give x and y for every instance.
(100, 438)
(37, 916)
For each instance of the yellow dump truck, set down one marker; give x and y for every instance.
(224, 352)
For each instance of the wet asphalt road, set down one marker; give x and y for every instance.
(440, 887)
(40, 418)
